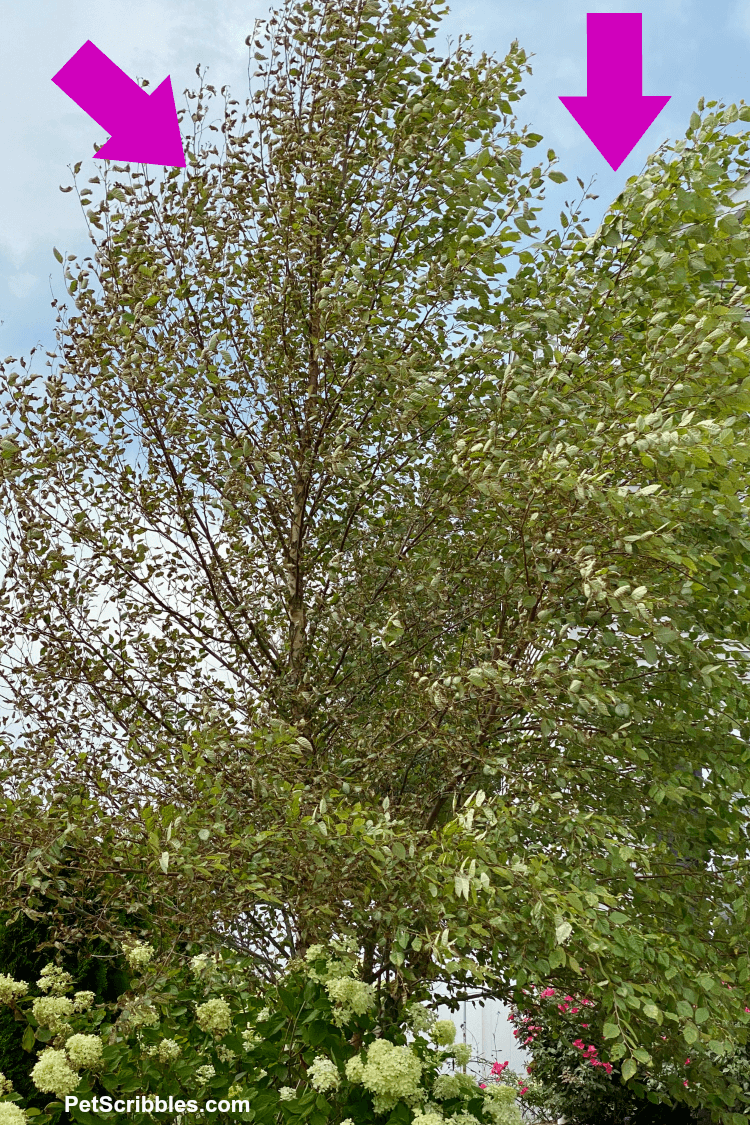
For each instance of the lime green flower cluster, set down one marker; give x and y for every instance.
(389, 1072)
(52, 1011)
(350, 996)
(214, 1015)
(428, 1119)
(324, 1074)
(84, 1050)
(53, 1073)
(443, 1033)
(448, 1086)
(501, 1106)
(11, 1114)
(139, 955)
(168, 1050)
(11, 990)
(54, 980)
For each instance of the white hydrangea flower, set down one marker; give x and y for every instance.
(54, 980)
(462, 1054)
(169, 1050)
(428, 1119)
(391, 1072)
(250, 1037)
(355, 1069)
(382, 1104)
(324, 1074)
(214, 1015)
(262, 1015)
(500, 1104)
(52, 1011)
(287, 1093)
(446, 1086)
(84, 1050)
(336, 969)
(315, 953)
(11, 1114)
(234, 1091)
(53, 1074)
(443, 1032)
(464, 1119)
(10, 989)
(353, 996)
(420, 1018)
(203, 1073)
(139, 954)
(82, 1001)
(225, 1054)
(347, 1121)
(6, 1086)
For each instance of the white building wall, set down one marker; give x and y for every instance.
(489, 1033)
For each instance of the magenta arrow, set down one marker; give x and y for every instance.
(615, 114)
(143, 127)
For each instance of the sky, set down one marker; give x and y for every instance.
(692, 48)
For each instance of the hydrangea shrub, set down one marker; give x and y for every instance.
(320, 1045)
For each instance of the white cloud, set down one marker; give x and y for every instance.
(22, 284)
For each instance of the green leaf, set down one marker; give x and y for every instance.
(690, 1033)
(557, 958)
(562, 932)
(610, 1031)
(57, 254)
(628, 1069)
(558, 177)
(28, 1040)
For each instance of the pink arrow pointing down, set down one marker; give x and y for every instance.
(615, 114)
(143, 127)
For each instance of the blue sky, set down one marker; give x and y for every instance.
(691, 48)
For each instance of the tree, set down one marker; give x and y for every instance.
(376, 566)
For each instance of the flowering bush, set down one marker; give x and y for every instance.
(321, 1045)
(10, 1114)
(575, 1070)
